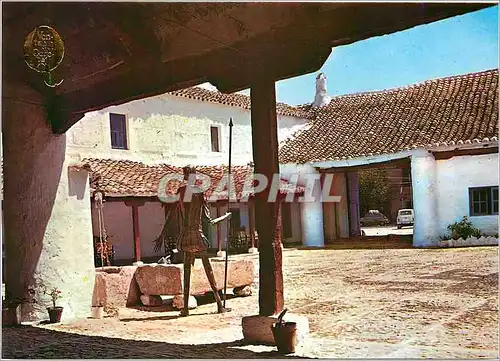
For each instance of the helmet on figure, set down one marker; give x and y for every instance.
(187, 170)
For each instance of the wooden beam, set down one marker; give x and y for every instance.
(397, 163)
(462, 152)
(265, 155)
(288, 60)
(134, 202)
(137, 240)
(131, 200)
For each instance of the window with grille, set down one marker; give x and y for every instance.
(118, 127)
(214, 138)
(483, 201)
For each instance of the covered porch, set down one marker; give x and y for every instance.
(116, 52)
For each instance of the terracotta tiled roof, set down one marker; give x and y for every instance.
(446, 111)
(238, 100)
(123, 178)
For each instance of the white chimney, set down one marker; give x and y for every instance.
(321, 98)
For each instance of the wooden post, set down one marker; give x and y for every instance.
(137, 240)
(135, 204)
(265, 155)
(251, 221)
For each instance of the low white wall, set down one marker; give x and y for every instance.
(454, 178)
(471, 241)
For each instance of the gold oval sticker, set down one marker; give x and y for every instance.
(43, 49)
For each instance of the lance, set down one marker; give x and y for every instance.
(228, 202)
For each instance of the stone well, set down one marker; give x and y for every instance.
(123, 286)
(115, 286)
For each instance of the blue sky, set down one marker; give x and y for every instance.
(457, 45)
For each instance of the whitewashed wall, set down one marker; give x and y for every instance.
(172, 130)
(454, 178)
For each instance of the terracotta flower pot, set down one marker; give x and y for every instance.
(55, 314)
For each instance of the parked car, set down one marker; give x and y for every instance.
(374, 218)
(405, 218)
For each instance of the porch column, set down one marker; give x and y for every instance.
(135, 227)
(265, 155)
(47, 211)
(353, 196)
(311, 215)
(423, 175)
(137, 239)
(251, 225)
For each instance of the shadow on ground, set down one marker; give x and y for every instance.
(363, 242)
(27, 342)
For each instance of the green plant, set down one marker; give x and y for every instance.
(374, 191)
(54, 294)
(463, 229)
(444, 237)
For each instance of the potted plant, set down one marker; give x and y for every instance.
(11, 308)
(55, 312)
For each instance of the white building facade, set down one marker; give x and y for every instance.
(444, 131)
(190, 126)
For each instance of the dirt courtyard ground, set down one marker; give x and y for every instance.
(388, 302)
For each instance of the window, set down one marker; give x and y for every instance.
(118, 126)
(214, 138)
(483, 201)
(286, 220)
